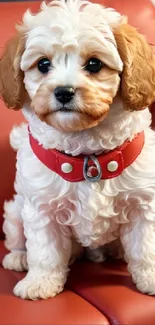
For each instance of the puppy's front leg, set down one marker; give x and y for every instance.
(138, 239)
(48, 252)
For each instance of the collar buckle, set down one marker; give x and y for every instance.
(86, 167)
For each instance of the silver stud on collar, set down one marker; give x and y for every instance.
(66, 168)
(112, 166)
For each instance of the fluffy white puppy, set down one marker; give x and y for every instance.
(83, 78)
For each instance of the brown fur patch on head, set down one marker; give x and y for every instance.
(138, 77)
(95, 102)
(12, 88)
(98, 92)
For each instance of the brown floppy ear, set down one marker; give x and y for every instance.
(138, 76)
(12, 88)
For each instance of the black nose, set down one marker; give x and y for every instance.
(64, 94)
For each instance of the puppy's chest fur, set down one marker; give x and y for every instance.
(93, 212)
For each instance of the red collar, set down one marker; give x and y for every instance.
(92, 168)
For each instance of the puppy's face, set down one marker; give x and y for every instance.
(71, 67)
(69, 60)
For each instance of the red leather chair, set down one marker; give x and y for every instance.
(95, 294)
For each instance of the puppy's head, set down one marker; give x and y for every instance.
(70, 60)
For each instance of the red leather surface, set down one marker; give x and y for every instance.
(153, 115)
(68, 308)
(108, 286)
(141, 14)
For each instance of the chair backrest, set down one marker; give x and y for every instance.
(141, 14)
(10, 14)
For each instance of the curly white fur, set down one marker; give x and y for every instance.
(54, 211)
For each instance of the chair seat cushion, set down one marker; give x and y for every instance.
(108, 286)
(94, 294)
(67, 308)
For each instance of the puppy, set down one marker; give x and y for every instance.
(84, 79)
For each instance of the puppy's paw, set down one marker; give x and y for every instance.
(38, 287)
(145, 280)
(16, 261)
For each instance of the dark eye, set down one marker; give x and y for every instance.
(94, 65)
(44, 65)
